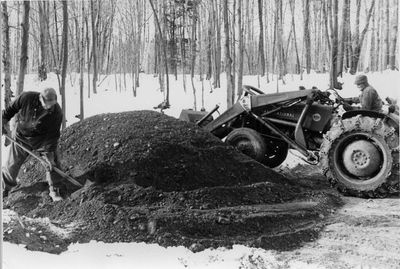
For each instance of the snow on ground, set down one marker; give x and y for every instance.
(140, 255)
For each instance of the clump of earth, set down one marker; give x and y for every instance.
(160, 180)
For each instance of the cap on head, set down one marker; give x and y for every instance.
(361, 79)
(49, 94)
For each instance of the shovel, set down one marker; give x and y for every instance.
(44, 163)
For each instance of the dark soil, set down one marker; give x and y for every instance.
(158, 179)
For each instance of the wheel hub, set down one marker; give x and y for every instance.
(245, 147)
(361, 158)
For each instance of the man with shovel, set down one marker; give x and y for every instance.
(38, 122)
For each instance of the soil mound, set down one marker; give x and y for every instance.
(151, 149)
(162, 180)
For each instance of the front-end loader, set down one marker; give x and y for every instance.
(357, 150)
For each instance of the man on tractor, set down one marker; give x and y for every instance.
(369, 98)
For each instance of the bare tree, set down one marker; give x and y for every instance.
(279, 41)
(333, 19)
(94, 19)
(292, 6)
(378, 40)
(372, 48)
(343, 36)
(43, 10)
(64, 58)
(6, 56)
(228, 59)
(241, 49)
(358, 38)
(164, 50)
(261, 54)
(88, 54)
(193, 53)
(216, 43)
(393, 43)
(307, 39)
(82, 63)
(387, 36)
(24, 47)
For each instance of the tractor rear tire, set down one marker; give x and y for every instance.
(270, 152)
(360, 157)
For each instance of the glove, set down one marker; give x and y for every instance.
(349, 101)
(347, 107)
(48, 164)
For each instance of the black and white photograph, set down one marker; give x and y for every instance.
(191, 134)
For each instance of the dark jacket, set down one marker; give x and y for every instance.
(37, 127)
(369, 99)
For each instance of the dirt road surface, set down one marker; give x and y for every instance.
(363, 233)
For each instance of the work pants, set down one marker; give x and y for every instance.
(16, 158)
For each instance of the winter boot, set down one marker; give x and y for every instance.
(6, 187)
(54, 194)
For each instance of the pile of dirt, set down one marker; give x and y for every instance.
(162, 180)
(150, 149)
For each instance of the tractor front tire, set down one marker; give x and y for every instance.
(268, 151)
(249, 142)
(277, 151)
(360, 157)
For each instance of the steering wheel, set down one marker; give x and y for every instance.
(251, 90)
(339, 98)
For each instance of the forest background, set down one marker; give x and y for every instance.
(96, 39)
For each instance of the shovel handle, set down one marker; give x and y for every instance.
(69, 178)
(57, 170)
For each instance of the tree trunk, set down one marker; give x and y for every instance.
(164, 50)
(138, 48)
(57, 51)
(307, 40)
(209, 49)
(267, 54)
(393, 45)
(233, 47)
(334, 49)
(183, 48)
(64, 58)
(241, 50)
(94, 45)
(42, 69)
(200, 27)
(326, 14)
(292, 6)
(358, 41)
(261, 54)
(88, 54)
(17, 40)
(228, 59)
(279, 41)
(216, 44)
(193, 54)
(6, 56)
(82, 64)
(24, 47)
(343, 30)
(387, 36)
(372, 49)
(378, 41)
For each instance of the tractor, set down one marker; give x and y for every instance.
(357, 150)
